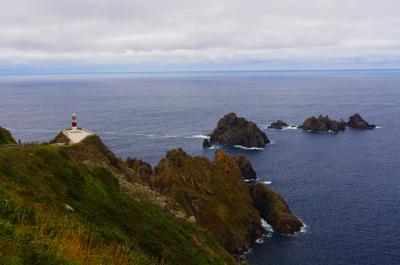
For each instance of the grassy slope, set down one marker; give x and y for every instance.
(6, 137)
(106, 226)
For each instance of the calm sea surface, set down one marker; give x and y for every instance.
(345, 187)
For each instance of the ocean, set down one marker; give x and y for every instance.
(345, 187)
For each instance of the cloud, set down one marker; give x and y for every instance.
(199, 32)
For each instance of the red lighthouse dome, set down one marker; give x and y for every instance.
(74, 122)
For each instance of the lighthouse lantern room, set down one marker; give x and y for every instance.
(74, 122)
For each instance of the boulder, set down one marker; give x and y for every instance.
(246, 169)
(273, 208)
(279, 124)
(322, 124)
(206, 143)
(357, 122)
(232, 130)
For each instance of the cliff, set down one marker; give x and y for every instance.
(74, 205)
(214, 193)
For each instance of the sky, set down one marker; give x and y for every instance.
(44, 36)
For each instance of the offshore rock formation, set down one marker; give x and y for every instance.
(357, 122)
(279, 124)
(232, 130)
(273, 208)
(322, 124)
(214, 193)
(6, 137)
(246, 169)
(206, 143)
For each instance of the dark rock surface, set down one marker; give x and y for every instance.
(214, 192)
(273, 208)
(232, 130)
(246, 169)
(322, 124)
(6, 137)
(279, 124)
(357, 122)
(141, 170)
(206, 143)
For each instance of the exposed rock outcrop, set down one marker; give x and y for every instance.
(141, 170)
(357, 122)
(279, 124)
(214, 193)
(273, 208)
(322, 124)
(6, 137)
(206, 143)
(232, 130)
(246, 169)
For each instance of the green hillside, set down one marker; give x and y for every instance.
(6, 137)
(63, 205)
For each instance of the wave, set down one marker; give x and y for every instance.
(267, 182)
(213, 147)
(201, 136)
(267, 227)
(378, 127)
(291, 127)
(248, 148)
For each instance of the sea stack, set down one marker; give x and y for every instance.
(279, 124)
(322, 124)
(232, 130)
(357, 122)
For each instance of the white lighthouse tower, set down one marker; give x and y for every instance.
(74, 122)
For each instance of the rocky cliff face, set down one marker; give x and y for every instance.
(246, 169)
(6, 137)
(357, 122)
(322, 124)
(232, 130)
(214, 193)
(273, 208)
(141, 170)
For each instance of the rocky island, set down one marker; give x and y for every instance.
(279, 124)
(82, 195)
(237, 131)
(322, 124)
(357, 122)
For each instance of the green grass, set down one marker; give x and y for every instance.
(106, 226)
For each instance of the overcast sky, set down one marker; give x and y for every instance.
(68, 35)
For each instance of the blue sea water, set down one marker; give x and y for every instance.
(345, 186)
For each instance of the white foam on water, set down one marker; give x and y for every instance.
(291, 127)
(267, 182)
(213, 147)
(266, 226)
(248, 148)
(201, 136)
(304, 227)
(260, 241)
(378, 127)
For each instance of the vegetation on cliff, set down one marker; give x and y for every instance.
(6, 137)
(64, 205)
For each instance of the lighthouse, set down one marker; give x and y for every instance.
(74, 122)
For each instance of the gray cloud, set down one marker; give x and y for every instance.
(202, 31)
